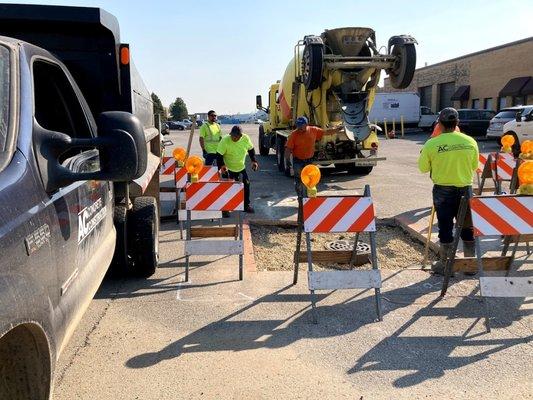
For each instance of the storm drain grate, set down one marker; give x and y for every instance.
(343, 245)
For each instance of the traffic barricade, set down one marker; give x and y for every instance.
(214, 196)
(486, 166)
(493, 216)
(336, 214)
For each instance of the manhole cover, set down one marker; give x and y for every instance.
(340, 245)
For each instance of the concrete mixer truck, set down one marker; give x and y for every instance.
(332, 79)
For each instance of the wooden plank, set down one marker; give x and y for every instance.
(506, 287)
(334, 257)
(485, 190)
(164, 189)
(213, 247)
(206, 232)
(331, 280)
(522, 238)
(469, 264)
(200, 215)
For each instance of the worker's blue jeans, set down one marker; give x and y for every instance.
(210, 158)
(447, 200)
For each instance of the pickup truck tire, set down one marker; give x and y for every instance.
(312, 65)
(120, 263)
(263, 150)
(402, 73)
(280, 153)
(145, 236)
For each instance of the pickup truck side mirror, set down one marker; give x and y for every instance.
(120, 142)
(518, 117)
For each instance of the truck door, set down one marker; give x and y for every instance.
(81, 211)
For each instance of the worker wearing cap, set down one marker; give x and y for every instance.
(210, 136)
(301, 145)
(231, 157)
(451, 158)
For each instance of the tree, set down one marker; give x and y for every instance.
(158, 107)
(178, 109)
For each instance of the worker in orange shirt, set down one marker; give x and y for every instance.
(301, 145)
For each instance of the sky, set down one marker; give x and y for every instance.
(220, 54)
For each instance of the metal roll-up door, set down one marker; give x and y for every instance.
(425, 96)
(446, 91)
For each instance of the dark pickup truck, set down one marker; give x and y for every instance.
(79, 159)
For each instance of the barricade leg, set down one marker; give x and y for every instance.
(310, 268)
(298, 241)
(374, 256)
(354, 251)
(241, 261)
(481, 273)
(188, 237)
(178, 209)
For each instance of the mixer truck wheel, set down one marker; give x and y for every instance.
(353, 170)
(312, 64)
(263, 150)
(402, 73)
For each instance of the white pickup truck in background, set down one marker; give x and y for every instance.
(392, 106)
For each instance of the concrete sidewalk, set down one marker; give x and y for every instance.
(217, 337)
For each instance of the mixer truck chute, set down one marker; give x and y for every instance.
(332, 80)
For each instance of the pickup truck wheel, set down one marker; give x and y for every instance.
(280, 153)
(263, 150)
(145, 236)
(353, 170)
(402, 73)
(120, 263)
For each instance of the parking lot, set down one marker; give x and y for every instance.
(218, 337)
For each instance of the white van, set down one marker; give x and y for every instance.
(393, 106)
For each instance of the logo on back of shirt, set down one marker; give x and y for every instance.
(454, 147)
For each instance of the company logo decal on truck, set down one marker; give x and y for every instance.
(89, 218)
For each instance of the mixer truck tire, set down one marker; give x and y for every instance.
(263, 150)
(280, 153)
(312, 64)
(353, 170)
(402, 73)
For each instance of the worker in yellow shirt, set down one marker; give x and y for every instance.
(451, 158)
(210, 136)
(231, 158)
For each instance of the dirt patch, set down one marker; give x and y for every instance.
(274, 247)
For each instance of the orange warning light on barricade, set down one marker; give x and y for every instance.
(525, 177)
(507, 143)
(310, 177)
(526, 150)
(179, 154)
(194, 165)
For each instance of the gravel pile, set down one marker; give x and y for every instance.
(274, 248)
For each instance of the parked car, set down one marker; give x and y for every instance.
(187, 123)
(164, 129)
(173, 125)
(505, 115)
(521, 128)
(199, 123)
(474, 122)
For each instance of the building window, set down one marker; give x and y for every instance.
(475, 103)
(446, 91)
(487, 104)
(502, 103)
(425, 96)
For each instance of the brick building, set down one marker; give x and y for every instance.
(498, 77)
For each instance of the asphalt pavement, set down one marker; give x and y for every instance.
(216, 337)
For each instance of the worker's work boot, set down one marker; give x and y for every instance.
(469, 250)
(438, 266)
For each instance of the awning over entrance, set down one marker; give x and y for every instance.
(514, 86)
(528, 88)
(462, 93)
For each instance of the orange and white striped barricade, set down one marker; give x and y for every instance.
(505, 170)
(354, 214)
(168, 167)
(207, 174)
(485, 170)
(214, 196)
(494, 216)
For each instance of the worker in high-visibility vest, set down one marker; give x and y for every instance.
(451, 159)
(210, 136)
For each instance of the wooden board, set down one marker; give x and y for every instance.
(213, 247)
(331, 280)
(469, 264)
(522, 238)
(164, 189)
(485, 190)
(334, 257)
(206, 232)
(506, 287)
